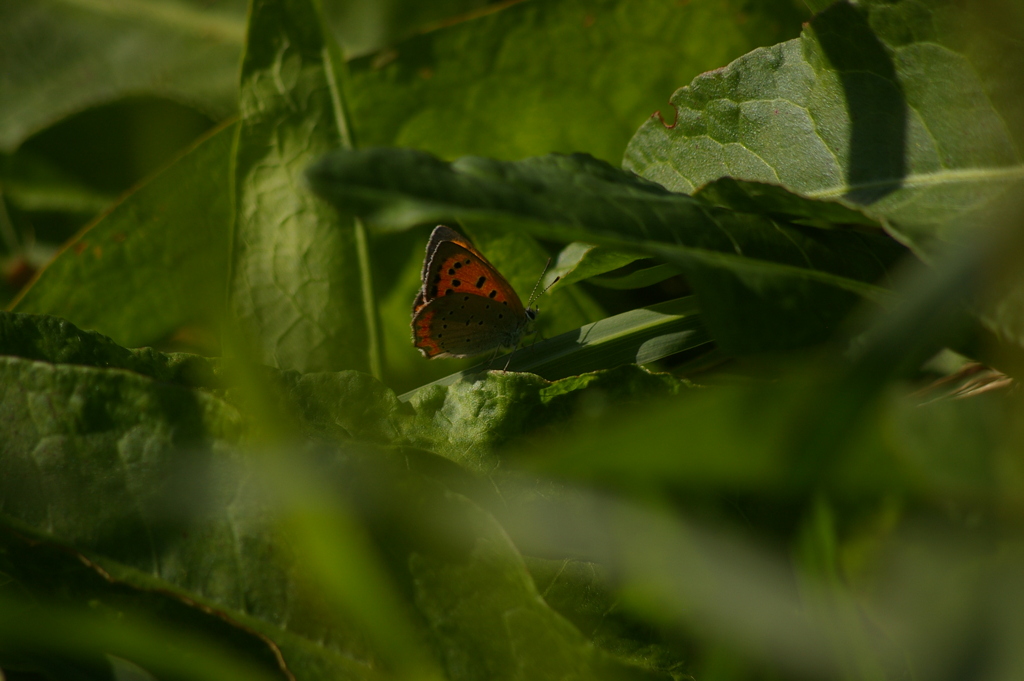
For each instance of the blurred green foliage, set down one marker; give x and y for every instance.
(772, 430)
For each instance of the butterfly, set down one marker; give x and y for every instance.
(464, 307)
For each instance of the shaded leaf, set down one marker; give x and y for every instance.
(156, 261)
(640, 336)
(580, 261)
(489, 619)
(761, 282)
(639, 278)
(553, 76)
(584, 594)
(140, 617)
(54, 340)
(146, 447)
(187, 52)
(471, 419)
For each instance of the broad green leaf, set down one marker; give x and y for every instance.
(488, 619)
(583, 593)
(472, 419)
(910, 111)
(78, 432)
(186, 51)
(101, 51)
(539, 77)
(145, 447)
(762, 283)
(55, 340)
(156, 261)
(300, 280)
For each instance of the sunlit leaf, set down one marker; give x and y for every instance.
(299, 273)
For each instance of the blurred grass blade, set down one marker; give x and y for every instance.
(675, 574)
(639, 336)
(340, 560)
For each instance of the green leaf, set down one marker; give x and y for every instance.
(163, 458)
(300, 281)
(470, 420)
(186, 51)
(910, 111)
(156, 261)
(838, 425)
(583, 593)
(538, 77)
(640, 336)
(762, 283)
(774, 200)
(187, 514)
(580, 261)
(364, 26)
(488, 618)
(640, 278)
(54, 340)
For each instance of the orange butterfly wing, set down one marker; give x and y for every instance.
(453, 266)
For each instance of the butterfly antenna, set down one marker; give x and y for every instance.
(533, 293)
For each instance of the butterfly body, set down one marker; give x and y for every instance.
(465, 306)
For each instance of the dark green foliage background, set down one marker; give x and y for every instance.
(759, 439)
